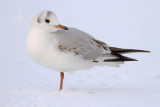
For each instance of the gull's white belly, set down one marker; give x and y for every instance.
(45, 52)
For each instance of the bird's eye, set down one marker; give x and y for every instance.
(47, 20)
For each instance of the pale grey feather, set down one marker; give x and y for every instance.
(83, 43)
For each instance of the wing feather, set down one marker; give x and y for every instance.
(83, 44)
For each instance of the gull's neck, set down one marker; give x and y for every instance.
(37, 30)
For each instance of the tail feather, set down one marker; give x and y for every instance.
(125, 51)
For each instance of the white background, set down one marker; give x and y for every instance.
(120, 23)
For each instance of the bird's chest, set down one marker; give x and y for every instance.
(40, 46)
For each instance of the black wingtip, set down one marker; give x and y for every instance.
(120, 60)
(146, 51)
(142, 51)
(125, 51)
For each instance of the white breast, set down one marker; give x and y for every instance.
(43, 49)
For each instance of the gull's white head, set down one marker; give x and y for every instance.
(47, 21)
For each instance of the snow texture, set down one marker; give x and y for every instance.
(125, 24)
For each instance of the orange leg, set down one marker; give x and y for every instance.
(61, 83)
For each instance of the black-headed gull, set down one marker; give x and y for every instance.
(67, 49)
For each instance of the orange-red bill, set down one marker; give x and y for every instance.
(62, 27)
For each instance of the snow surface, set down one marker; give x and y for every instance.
(125, 24)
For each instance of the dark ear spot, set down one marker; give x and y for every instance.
(38, 20)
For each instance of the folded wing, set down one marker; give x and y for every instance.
(83, 44)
